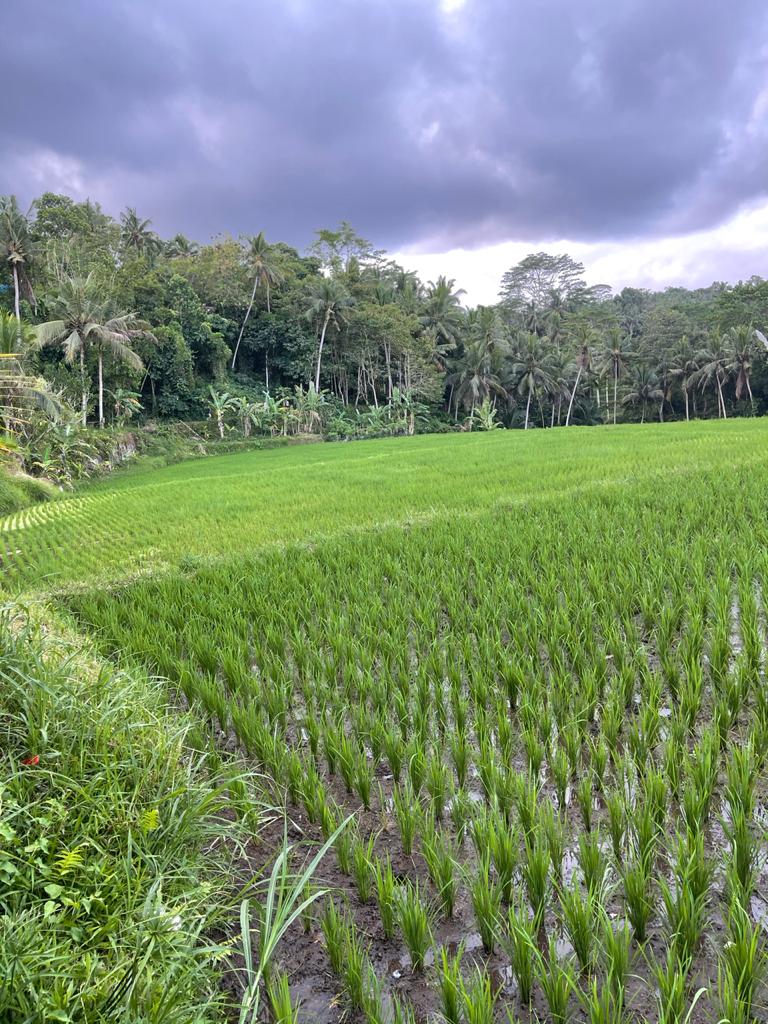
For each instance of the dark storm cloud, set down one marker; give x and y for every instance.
(501, 119)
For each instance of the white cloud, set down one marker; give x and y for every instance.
(732, 251)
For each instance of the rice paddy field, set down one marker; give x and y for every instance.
(530, 665)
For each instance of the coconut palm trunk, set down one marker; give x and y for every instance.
(573, 395)
(83, 393)
(615, 390)
(101, 387)
(326, 321)
(245, 320)
(16, 297)
(527, 408)
(720, 396)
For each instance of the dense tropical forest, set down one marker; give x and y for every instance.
(104, 322)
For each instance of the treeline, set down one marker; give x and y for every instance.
(115, 323)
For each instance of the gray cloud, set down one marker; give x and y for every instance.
(503, 119)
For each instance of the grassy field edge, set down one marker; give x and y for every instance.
(119, 842)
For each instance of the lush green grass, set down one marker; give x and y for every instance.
(236, 504)
(117, 843)
(533, 666)
(18, 491)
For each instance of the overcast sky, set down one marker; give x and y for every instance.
(459, 135)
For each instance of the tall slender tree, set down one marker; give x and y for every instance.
(136, 235)
(327, 301)
(16, 243)
(265, 272)
(614, 361)
(584, 337)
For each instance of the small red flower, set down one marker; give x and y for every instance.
(33, 760)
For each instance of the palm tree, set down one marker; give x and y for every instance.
(714, 371)
(645, 389)
(531, 371)
(17, 247)
(136, 235)
(683, 368)
(584, 336)
(443, 316)
(265, 272)
(614, 361)
(478, 373)
(326, 301)
(739, 359)
(84, 325)
(179, 247)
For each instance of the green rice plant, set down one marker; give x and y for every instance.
(478, 998)
(742, 967)
(739, 791)
(503, 845)
(327, 815)
(437, 783)
(363, 779)
(386, 895)
(486, 902)
(408, 816)
(557, 981)
(551, 826)
(394, 751)
(535, 751)
(535, 872)
(600, 1004)
(526, 795)
(344, 846)
(686, 900)
(461, 814)
(415, 922)
(295, 777)
(417, 764)
(488, 770)
(615, 942)
(673, 761)
(742, 860)
(571, 739)
(610, 726)
(449, 982)
(637, 878)
(363, 870)
(645, 832)
(333, 927)
(599, 757)
(355, 967)
(617, 822)
(349, 757)
(584, 800)
(440, 857)
(460, 754)
(520, 946)
(671, 980)
(375, 1008)
(592, 862)
(281, 1005)
(402, 1011)
(560, 775)
(579, 917)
